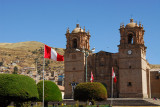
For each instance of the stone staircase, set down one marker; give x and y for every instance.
(157, 102)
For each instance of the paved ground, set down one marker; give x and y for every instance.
(122, 102)
(119, 102)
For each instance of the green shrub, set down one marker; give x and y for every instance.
(17, 88)
(15, 70)
(1, 63)
(90, 91)
(51, 91)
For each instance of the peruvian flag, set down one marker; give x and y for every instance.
(52, 54)
(92, 78)
(114, 76)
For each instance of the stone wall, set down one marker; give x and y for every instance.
(155, 83)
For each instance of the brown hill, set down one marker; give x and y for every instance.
(24, 54)
(154, 66)
(29, 45)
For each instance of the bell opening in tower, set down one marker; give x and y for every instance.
(130, 39)
(75, 43)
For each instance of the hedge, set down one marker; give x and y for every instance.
(90, 91)
(17, 88)
(51, 91)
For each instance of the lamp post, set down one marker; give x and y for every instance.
(73, 84)
(86, 52)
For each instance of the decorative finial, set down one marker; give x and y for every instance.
(77, 25)
(136, 23)
(68, 30)
(121, 25)
(139, 24)
(88, 32)
(80, 29)
(84, 29)
(131, 20)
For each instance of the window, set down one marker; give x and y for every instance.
(75, 43)
(130, 39)
(74, 68)
(157, 77)
(129, 84)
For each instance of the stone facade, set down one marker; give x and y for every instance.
(132, 62)
(155, 83)
(130, 65)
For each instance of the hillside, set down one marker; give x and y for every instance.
(25, 54)
(154, 66)
(29, 45)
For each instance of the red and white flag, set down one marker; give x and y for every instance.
(114, 76)
(92, 78)
(52, 54)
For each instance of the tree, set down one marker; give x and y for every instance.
(1, 63)
(90, 91)
(17, 88)
(51, 92)
(15, 70)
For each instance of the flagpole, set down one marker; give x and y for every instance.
(43, 76)
(112, 92)
(36, 77)
(43, 79)
(112, 88)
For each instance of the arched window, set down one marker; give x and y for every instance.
(75, 43)
(130, 39)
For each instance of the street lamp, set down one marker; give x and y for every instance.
(73, 84)
(86, 52)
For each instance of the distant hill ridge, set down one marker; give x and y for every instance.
(155, 66)
(34, 45)
(22, 45)
(28, 45)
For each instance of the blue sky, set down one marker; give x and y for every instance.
(47, 21)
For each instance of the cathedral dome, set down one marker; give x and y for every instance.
(77, 29)
(131, 24)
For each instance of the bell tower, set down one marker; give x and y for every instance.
(75, 61)
(78, 38)
(132, 61)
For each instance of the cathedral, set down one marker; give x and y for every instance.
(130, 65)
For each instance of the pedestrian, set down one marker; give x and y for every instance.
(58, 103)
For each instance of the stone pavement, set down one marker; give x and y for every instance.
(121, 102)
